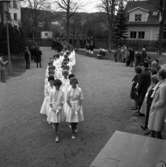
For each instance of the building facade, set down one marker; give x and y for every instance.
(15, 12)
(10, 11)
(143, 23)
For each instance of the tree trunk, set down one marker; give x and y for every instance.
(109, 32)
(111, 22)
(68, 23)
(162, 25)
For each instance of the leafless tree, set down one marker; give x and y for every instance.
(36, 5)
(70, 7)
(162, 8)
(110, 7)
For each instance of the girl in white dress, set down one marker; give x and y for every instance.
(75, 111)
(65, 88)
(47, 91)
(55, 115)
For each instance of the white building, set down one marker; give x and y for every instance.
(46, 35)
(143, 21)
(13, 7)
(15, 12)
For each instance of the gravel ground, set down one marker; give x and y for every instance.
(26, 139)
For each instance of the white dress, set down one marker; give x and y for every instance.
(65, 87)
(75, 113)
(55, 114)
(46, 102)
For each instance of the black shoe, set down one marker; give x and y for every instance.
(141, 114)
(143, 127)
(133, 108)
(147, 132)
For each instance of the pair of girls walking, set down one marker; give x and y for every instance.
(60, 106)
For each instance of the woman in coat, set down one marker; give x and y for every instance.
(158, 108)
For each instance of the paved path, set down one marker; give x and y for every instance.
(27, 141)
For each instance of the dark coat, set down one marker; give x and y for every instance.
(27, 56)
(144, 83)
(37, 54)
(134, 92)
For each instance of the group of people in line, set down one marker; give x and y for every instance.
(148, 91)
(130, 57)
(63, 96)
(33, 53)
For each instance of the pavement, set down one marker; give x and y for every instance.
(27, 140)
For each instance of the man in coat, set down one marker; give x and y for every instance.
(143, 85)
(158, 108)
(27, 55)
(38, 54)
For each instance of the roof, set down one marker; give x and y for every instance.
(146, 5)
(141, 4)
(152, 20)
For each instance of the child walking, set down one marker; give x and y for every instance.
(55, 116)
(48, 89)
(74, 101)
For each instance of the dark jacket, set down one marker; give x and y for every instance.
(144, 83)
(38, 54)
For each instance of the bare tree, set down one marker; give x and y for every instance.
(70, 7)
(36, 5)
(110, 8)
(162, 9)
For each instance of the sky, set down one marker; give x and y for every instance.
(90, 5)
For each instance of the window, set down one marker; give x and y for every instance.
(141, 35)
(138, 17)
(15, 16)
(46, 34)
(133, 34)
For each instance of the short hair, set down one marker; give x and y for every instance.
(71, 76)
(162, 73)
(154, 79)
(154, 71)
(157, 60)
(74, 80)
(146, 64)
(57, 82)
(51, 78)
(138, 69)
(65, 72)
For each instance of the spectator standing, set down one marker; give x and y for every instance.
(132, 54)
(3, 65)
(38, 55)
(137, 59)
(144, 55)
(148, 100)
(144, 83)
(158, 108)
(134, 91)
(27, 55)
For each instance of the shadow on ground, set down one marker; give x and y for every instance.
(18, 67)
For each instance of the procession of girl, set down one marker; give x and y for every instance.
(62, 95)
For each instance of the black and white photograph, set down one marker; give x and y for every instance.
(82, 83)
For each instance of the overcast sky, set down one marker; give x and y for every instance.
(86, 5)
(90, 5)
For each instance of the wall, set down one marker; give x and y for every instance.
(151, 32)
(145, 15)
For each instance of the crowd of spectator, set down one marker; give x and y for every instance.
(148, 91)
